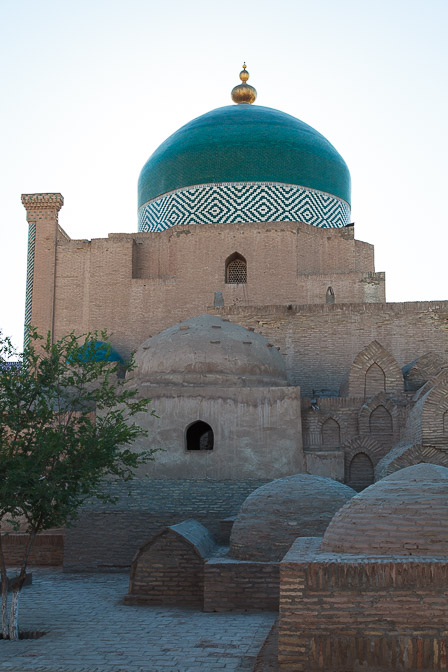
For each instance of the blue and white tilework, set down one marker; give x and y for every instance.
(29, 277)
(243, 202)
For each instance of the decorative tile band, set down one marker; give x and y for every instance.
(243, 202)
(29, 278)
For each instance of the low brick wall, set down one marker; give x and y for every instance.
(239, 585)
(106, 538)
(349, 613)
(47, 550)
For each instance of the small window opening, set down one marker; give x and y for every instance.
(330, 297)
(236, 270)
(199, 436)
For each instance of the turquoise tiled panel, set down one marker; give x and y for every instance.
(243, 202)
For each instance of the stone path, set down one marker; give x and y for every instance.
(90, 630)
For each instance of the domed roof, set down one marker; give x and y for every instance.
(244, 143)
(405, 513)
(98, 351)
(209, 350)
(273, 516)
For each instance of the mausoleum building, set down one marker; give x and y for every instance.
(259, 324)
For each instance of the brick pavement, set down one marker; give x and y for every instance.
(90, 630)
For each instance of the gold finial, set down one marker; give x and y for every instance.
(244, 93)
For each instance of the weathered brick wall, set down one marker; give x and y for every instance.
(47, 549)
(352, 613)
(319, 343)
(106, 538)
(114, 283)
(237, 585)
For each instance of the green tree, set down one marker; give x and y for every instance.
(67, 425)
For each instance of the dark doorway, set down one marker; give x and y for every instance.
(199, 436)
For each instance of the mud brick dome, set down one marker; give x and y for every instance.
(273, 516)
(405, 513)
(244, 163)
(207, 350)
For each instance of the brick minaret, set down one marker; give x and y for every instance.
(42, 217)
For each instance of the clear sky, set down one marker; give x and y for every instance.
(90, 88)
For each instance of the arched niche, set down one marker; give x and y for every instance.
(374, 370)
(199, 436)
(236, 269)
(331, 434)
(380, 421)
(361, 472)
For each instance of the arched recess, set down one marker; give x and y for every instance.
(407, 455)
(363, 380)
(331, 434)
(362, 444)
(199, 436)
(433, 407)
(361, 472)
(330, 296)
(369, 407)
(380, 421)
(236, 269)
(375, 381)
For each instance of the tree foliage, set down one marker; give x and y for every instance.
(67, 424)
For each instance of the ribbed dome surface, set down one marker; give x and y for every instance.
(207, 350)
(273, 516)
(244, 143)
(405, 513)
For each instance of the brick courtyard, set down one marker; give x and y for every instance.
(90, 630)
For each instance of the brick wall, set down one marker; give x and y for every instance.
(114, 283)
(350, 613)
(106, 538)
(319, 343)
(47, 549)
(237, 585)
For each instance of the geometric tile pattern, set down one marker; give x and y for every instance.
(29, 278)
(243, 202)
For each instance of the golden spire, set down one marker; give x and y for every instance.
(244, 93)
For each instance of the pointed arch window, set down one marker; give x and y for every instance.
(199, 436)
(236, 269)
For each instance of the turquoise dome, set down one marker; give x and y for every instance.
(244, 143)
(98, 351)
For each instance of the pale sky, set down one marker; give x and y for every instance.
(91, 88)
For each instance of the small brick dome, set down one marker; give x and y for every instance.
(207, 350)
(405, 513)
(273, 516)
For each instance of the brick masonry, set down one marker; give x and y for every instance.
(169, 569)
(106, 538)
(47, 549)
(236, 585)
(342, 612)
